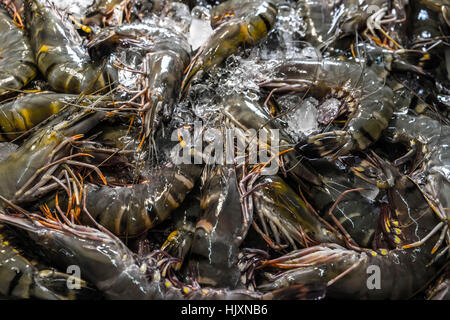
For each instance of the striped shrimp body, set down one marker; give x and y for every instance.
(129, 211)
(282, 211)
(367, 119)
(435, 139)
(318, 17)
(429, 26)
(179, 242)
(357, 211)
(427, 31)
(246, 114)
(401, 272)
(220, 229)
(17, 66)
(166, 54)
(45, 146)
(59, 54)
(107, 263)
(247, 23)
(21, 279)
(23, 114)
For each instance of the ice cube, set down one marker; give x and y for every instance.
(302, 120)
(75, 7)
(328, 110)
(199, 32)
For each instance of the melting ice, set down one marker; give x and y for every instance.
(302, 120)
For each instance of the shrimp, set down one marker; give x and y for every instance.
(246, 114)
(22, 279)
(179, 242)
(370, 15)
(23, 114)
(107, 263)
(129, 211)
(286, 214)
(440, 289)
(402, 271)
(440, 7)
(433, 176)
(318, 18)
(356, 209)
(367, 119)
(426, 35)
(220, 230)
(166, 55)
(30, 162)
(17, 67)
(59, 55)
(251, 21)
(106, 12)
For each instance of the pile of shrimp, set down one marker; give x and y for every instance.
(238, 149)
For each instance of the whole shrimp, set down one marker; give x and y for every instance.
(129, 211)
(166, 54)
(106, 262)
(59, 54)
(31, 162)
(246, 23)
(402, 271)
(17, 66)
